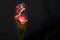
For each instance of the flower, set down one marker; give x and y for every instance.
(18, 8)
(22, 19)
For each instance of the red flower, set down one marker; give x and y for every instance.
(18, 8)
(22, 19)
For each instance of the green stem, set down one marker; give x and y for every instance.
(21, 31)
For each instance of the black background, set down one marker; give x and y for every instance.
(43, 16)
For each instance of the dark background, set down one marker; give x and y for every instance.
(43, 16)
